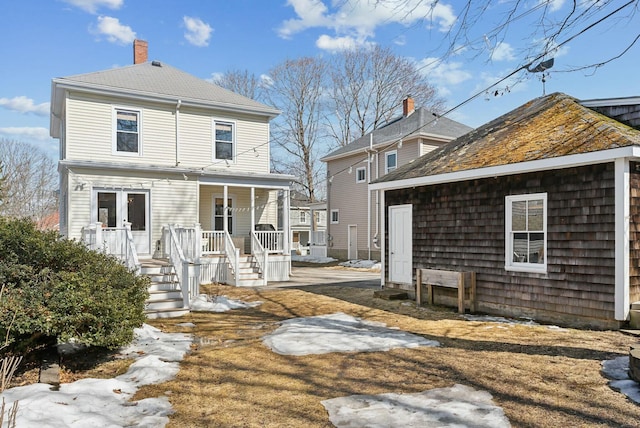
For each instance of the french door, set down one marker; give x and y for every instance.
(113, 208)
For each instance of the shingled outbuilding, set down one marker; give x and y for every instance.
(542, 203)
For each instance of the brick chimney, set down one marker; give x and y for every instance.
(140, 51)
(407, 106)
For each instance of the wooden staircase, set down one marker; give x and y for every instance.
(248, 274)
(165, 296)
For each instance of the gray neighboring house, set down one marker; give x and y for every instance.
(353, 221)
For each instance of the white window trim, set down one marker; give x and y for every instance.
(386, 161)
(234, 144)
(337, 215)
(363, 180)
(509, 264)
(232, 213)
(302, 217)
(114, 130)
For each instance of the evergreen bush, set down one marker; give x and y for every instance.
(58, 290)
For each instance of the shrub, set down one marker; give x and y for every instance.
(57, 290)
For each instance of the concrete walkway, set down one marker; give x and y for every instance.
(305, 276)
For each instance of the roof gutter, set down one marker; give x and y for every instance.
(560, 162)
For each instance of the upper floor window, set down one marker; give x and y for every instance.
(361, 175)
(224, 140)
(391, 161)
(303, 216)
(526, 232)
(127, 131)
(334, 217)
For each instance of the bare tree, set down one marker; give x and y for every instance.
(296, 88)
(29, 181)
(368, 85)
(241, 82)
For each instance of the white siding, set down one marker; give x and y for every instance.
(172, 199)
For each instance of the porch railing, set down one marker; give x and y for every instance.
(233, 254)
(189, 284)
(213, 242)
(116, 241)
(272, 241)
(261, 256)
(318, 237)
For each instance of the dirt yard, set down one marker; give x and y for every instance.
(540, 376)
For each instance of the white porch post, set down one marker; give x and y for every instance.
(253, 209)
(382, 240)
(225, 208)
(285, 222)
(197, 242)
(99, 245)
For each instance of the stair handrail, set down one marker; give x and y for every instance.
(261, 255)
(180, 263)
(233, 254)
(130, 253)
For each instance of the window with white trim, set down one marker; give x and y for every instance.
(224, 138)
(303, 216)
(526, 232)
(361, 175)
(335, 216)
(218, 214)
(391, 161)
(127, 131)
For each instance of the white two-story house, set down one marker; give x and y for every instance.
(353, 224)
(155, 162)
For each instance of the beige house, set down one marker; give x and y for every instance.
(150, 155)
(353, 214)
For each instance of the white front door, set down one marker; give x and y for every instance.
(400, 244)
(115, 207)
(352, 237)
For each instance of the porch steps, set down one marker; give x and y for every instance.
(165, 297)
(248, 274)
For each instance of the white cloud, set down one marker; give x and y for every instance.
(114, 30)
(443, 75)
(337, 44)
(92, 6)
(198, 32)
(553, 5)
(358, 19)
(35, 133)
(502, 52)
(23, 104)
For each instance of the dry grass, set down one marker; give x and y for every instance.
(539, 376)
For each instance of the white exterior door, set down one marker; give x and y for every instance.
(400, 244)
(115, 207)
(352, 232)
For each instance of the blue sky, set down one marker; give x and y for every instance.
(44, 39)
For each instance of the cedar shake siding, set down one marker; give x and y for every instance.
(461, 226)
(634, 232)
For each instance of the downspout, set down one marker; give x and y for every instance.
(178, 104)
(369, 237)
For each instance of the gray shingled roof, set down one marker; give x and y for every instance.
(147, 79)
(547, 127)
(421, 123)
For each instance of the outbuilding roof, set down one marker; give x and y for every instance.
(421, 123)
(548, 127)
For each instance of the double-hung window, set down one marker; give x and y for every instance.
(526, 232)
(391, 161)
(127, 131)
(335, 216)
(361, 175)
(223, 140)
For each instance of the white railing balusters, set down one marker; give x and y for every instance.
(261, 255)
(233, 254)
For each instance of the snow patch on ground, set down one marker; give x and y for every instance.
(312, 259)
(618, 371)
(338, 333)
(458, 406)
(508, 321)
(363, 264)
(207, 303)
(105, 402)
